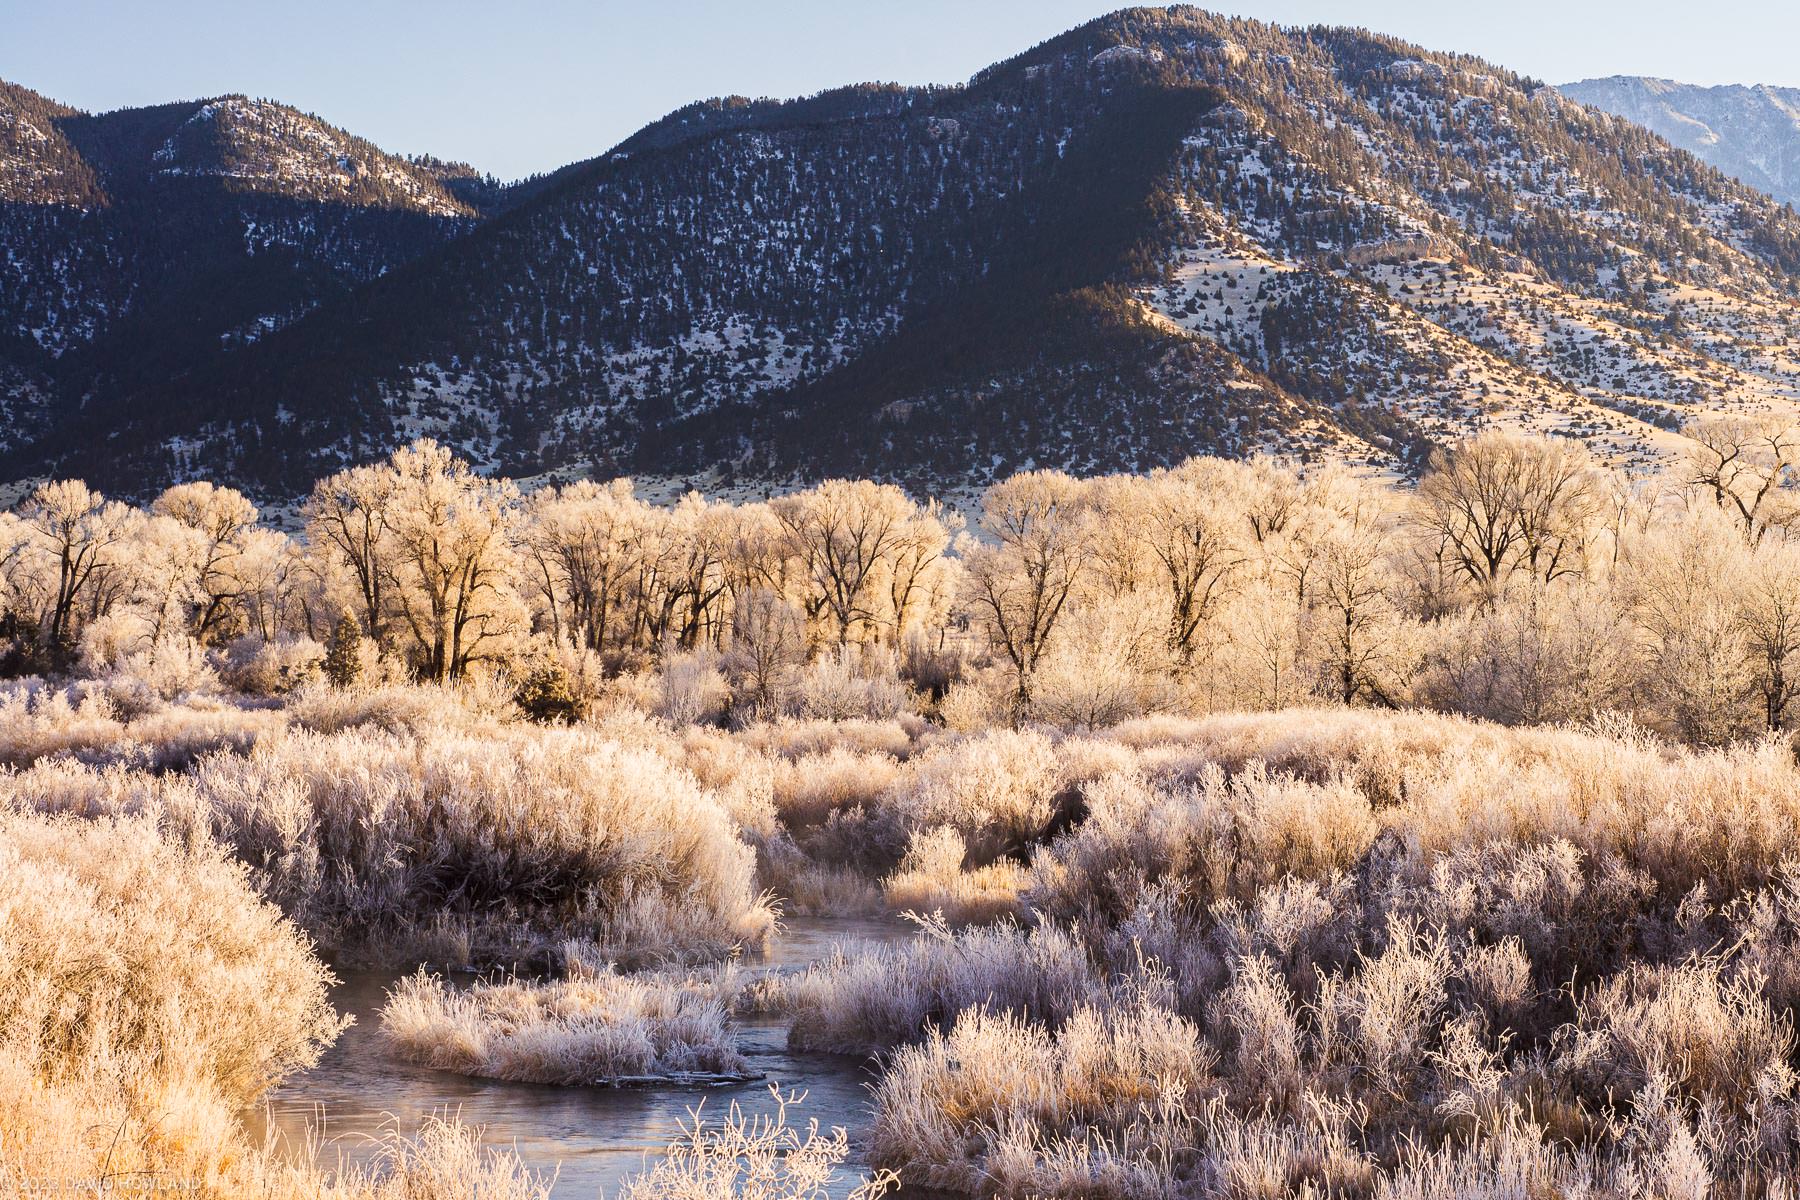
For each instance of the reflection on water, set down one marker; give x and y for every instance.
(592, 1138)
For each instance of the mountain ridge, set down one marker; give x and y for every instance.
(1160, 233)
(1749, 131)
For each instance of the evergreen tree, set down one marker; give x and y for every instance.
(343, 658)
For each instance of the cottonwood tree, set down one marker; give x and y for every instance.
(1190, 522)
(583, 543)
(1265, 668)
(845, 536)
(166, 580)
(427, 545)
(1768, 608)
(272, 578)
(1500, 503)
(918, 574)
(347, 517)
(1361, 641)
(1271, 494)
(688, 577)
(1699, 680)
(768, 637)
(1560, 498)
(82, 535)
(1041, 532)
(451, 560)
(1747, 465)
(221, 519)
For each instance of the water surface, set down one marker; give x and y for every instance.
(592, 1138)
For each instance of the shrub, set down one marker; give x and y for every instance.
(869, 1001)
(849, 683)
(524, 835)
(752, 1158)
(810, 788)
(1713, 1038)
(931, 880)
(271, 668)
(595, 1027)
(980, 1108)
(691, 689)
(146, 994)
(547, 695)
(997, 790)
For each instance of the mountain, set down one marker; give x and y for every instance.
(143, 243)
(1750, 133)
(1162, 233)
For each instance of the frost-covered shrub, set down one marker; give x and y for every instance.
(365, 834)
(391, 707)
(84, 721)
(972, 706)
(1712, 1037)
(753, 1158)
(691, 689)
(897, 738)
(37, 719)
(931, 880)
(1221, 836)
(867, 1001)
(850, 683)
(979, 1106)
(147, 994)
(145, 679)
(998, 790)
(124, 946)
(271, 668)
(594, 1027)
(810, 788)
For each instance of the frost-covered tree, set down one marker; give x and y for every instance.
(583, 543)
(221, 519)
(1747, 464)
(451, 560)
(78, 540)
(862, 550)
(1500, 504)
(1042, 536)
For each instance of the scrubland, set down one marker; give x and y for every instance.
(1263, 833)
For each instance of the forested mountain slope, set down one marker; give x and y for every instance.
(1162, 233)
(141, 244)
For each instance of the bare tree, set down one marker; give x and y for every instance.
(453, 558)
(1501, 503)
(347, 516)
(222, 519)
(1042, 542)
(82, 532)
(1769, 609)
(1189, 524)
(1747, 463)
(583, 542)
(843, 534)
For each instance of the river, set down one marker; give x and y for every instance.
(592, 1139)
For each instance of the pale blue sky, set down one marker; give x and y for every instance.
(532, 84)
